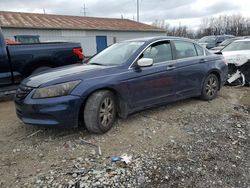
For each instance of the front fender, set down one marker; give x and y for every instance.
(120, 91)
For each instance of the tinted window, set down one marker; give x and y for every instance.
(199, 50)
(184, 49)
(159, 52)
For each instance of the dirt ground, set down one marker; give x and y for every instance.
(191, 143)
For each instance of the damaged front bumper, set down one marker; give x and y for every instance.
(238, 71)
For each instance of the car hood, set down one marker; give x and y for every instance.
(61, 73)
(237, 58)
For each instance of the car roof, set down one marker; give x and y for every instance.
(241, 40)
(219, 36)
(154, 39)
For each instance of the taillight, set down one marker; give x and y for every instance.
(78, 53)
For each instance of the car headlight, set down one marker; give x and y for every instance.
(55, 90)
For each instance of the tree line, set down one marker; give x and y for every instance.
(225, 24)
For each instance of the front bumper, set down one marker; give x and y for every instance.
(59, 111)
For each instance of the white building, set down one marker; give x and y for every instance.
(93, 33)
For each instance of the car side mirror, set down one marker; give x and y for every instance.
(145, 62)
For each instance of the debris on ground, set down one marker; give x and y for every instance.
(191, 143)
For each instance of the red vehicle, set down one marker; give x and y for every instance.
(9, 41)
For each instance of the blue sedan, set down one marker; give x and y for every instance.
(124, 78)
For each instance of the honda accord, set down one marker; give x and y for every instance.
(126, 77)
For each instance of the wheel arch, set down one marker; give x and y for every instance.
(216, 73)
(38, 62)
(122, 105)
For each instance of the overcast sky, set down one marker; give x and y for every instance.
(175, 12)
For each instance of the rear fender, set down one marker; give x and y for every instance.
(39, 62)
(213, 71)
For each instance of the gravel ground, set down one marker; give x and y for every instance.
(191, 143)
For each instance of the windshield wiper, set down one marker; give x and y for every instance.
(96, 64)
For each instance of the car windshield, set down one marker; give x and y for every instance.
(116, 54)
(226, 42)
(207, 39)
(238, 45)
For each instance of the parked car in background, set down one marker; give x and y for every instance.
(18, 61)
(225, 43)
(124, 78)
(27, 39)
(213, 40)
(237, 55)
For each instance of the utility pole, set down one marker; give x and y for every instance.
(138, 9)
(44, 11)
(84, 10)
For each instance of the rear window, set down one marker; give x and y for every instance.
(199, 50)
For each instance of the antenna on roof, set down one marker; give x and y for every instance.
(44, 11)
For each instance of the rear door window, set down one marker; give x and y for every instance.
(184, 49)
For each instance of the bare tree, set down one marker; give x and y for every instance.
(225, 24)
(235, 24)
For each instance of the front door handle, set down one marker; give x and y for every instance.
(170, 67)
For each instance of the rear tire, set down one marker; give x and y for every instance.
(100, 112)
(210, 87)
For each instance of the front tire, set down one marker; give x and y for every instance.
(210, 87)
(100, 112)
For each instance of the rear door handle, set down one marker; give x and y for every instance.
(203, 60)
(170, 67)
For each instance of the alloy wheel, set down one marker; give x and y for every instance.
(211, 87)
(106, 112)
